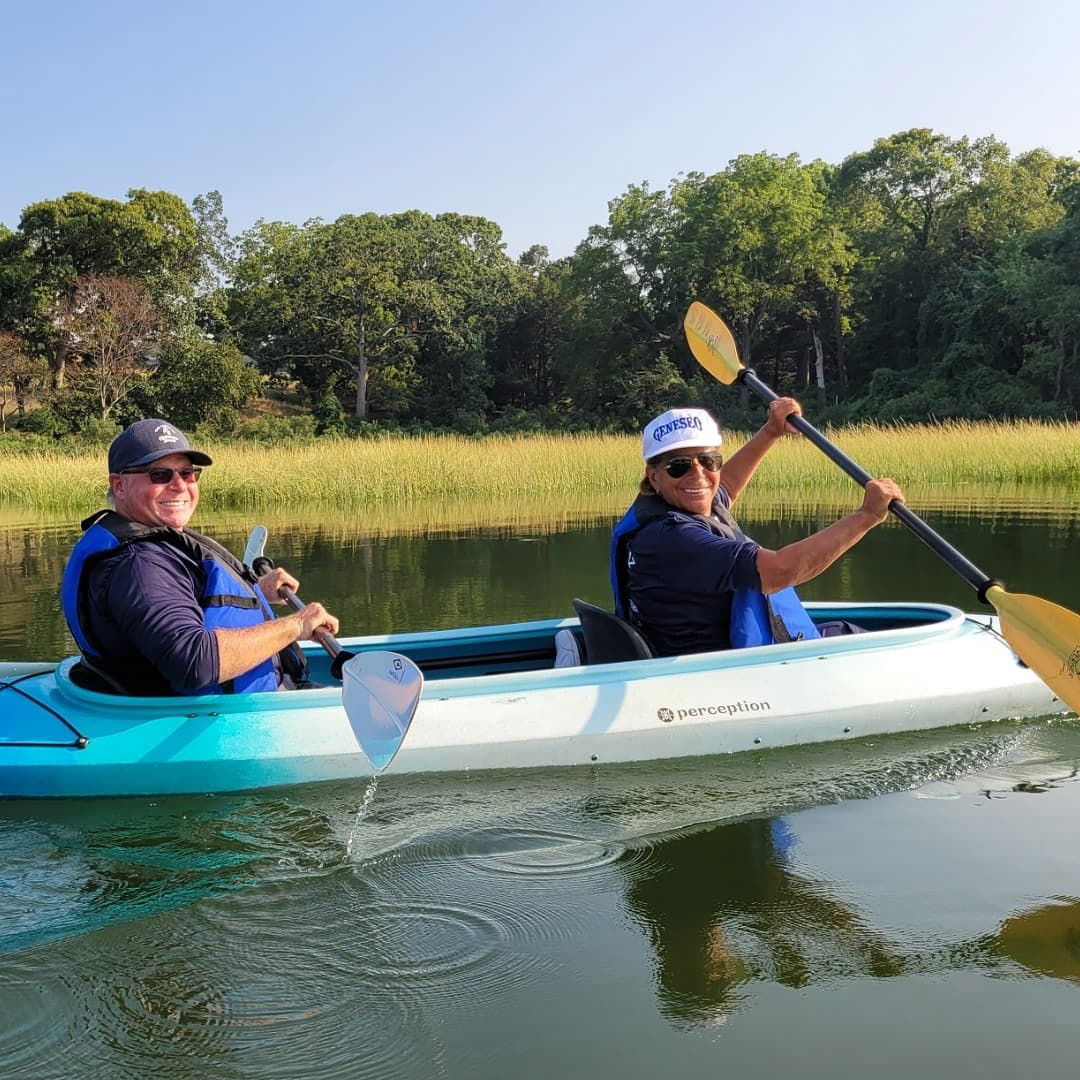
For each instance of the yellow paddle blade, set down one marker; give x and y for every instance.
(1045, 636)
(711, 343)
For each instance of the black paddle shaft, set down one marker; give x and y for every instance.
(338, 655)
(979, 581)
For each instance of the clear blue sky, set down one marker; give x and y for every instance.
(532, 114)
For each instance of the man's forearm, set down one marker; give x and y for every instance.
(241, 650)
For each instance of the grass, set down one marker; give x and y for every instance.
(352, 474)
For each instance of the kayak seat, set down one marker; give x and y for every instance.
(88, 676)
(609, 638)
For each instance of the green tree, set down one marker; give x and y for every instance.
(217, 253)
(757, 240)
(324, 300)
(199, 383)
(1042, 281)
(113, 327)
(901, 199)
(20, 372)
(402, 303)
(622, 354)
(932, 218)
(1012, 197)
(151, 238)
(522, 357)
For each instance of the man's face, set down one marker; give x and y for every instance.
(139, 499)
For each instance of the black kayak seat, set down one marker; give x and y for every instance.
(609, 638)
(88, 676)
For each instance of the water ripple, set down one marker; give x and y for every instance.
(538, 852)
(125, 1004)
(1028, 779)
(566, 872)
(62, 877)
(441, 940)
(39, 1020)
(447, 952)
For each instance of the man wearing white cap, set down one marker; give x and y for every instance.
(681, 568)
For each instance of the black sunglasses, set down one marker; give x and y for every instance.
(187, 473)
(680, 466)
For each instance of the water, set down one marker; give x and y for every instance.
(887, 907)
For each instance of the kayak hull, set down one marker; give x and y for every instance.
(493, 700)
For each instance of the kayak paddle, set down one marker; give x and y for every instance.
(380, 690)
(1045, 636)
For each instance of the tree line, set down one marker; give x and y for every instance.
(925, 278)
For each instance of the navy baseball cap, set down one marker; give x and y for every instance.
(148, 440)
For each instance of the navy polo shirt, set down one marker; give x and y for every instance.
(681, 578)
(143, 615)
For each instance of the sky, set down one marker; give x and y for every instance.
(532, 114)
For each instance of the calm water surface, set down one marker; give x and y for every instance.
(892, 907)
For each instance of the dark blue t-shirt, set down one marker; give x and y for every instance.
(681, 577)
(144, 616)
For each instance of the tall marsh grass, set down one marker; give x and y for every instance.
(347, 474)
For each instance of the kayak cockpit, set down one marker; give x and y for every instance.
(531, 646)
(529, 649)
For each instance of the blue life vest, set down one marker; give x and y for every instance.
(229, 598)
(756, 619)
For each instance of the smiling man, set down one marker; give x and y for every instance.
(681, 568)
(158, 609)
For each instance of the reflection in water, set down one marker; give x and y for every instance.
(270, 986)
(1030, 777)
(725, 906)
(1045, 940)
(480, 914)
(395, 570)
(70, 873)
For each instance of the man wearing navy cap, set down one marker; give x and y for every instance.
(158, 609)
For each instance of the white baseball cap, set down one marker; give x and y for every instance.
(677, 429)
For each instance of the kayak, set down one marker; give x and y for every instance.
(493, 698)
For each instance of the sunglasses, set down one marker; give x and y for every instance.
(187, 473)
(680, 466)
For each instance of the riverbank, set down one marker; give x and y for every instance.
(391, 471)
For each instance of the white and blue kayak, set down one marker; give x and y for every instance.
(494, 699)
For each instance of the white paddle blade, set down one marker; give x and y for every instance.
(256, 545)
(380, 692)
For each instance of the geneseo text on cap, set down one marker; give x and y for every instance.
(677, 429)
